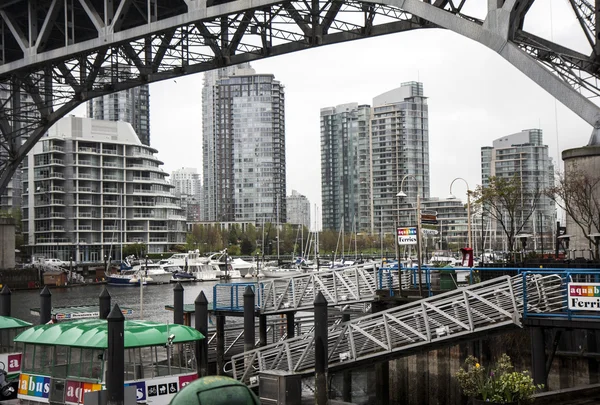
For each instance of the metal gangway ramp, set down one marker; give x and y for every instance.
(340, 287)
(452, 316)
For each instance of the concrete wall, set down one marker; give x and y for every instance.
(7, 243)
(587, 160)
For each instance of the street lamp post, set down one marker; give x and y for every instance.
(452, 197)
(401, 193)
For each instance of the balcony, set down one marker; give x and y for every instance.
(110, 190)
(111, 177)
(84, 228)
(143, 204)
(135, 228)
(84, 189)
(158, 228)
(52, 240)
(112, 164)
(111, 215)
(111, 202)
(83, 149)
(136, 215)
(109, 152)
(56, 148)
(51, 175)
(111, 228)
(85, 202)
(87, 176)
(111, 240)
(159, 240)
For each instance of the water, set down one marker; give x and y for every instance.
(155, 299)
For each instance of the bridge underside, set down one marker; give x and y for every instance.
(58, 54)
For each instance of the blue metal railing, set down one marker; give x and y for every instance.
(567, 276)
(230, 296)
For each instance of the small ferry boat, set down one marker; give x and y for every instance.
(10, 355)
(63, 361)
(153, 273)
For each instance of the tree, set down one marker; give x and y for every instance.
(579, 195)
(509, 202)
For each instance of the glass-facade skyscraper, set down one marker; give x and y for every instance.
(524, 154)
(365, 153)
(132, 106)
(243, 142)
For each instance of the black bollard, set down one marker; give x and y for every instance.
(220, 344)
(5, 301)
(262, 330)
(201, 321)
(289, 317)
(321, 349)
(249, 332)
(104, 301)
(45, 306)
(115, 371)
(178, 304)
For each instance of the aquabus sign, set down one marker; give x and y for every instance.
(407, 236)
(584, 296)
(34, 387)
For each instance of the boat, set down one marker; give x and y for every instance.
(178, 274)
(295, 268)
(199, 267)
(223, 261)
(158, 360)
(248, 269)
(153, 274)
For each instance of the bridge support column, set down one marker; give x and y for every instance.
(201, 323)
(249, 331)
(538, 355)
(262, 330)
(291, 330)
(321, 350)
(220, 344)
(346, 374)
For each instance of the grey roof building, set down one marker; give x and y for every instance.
(90, 187)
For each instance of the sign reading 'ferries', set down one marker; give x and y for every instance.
(407, 236)
(584, 296)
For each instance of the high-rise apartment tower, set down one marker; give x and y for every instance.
(243, 146)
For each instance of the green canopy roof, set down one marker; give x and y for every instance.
(93, 334)
(7, 322)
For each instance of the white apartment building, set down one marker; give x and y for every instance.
(298, 209)
(91, 187)
(188, 187)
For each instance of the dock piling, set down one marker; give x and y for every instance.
(115, 371)
(45, 306)
(262, 330)
(291, 331)
(201, 322)
(220, 343)
(249, 322)
(321, 349)
(346, 374)
(178, 304)
(104, 303)
(5, 299)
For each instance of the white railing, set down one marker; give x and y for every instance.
(478, 308)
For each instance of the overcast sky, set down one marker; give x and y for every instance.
(474, 97)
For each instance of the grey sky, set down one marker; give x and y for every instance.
(475, 96)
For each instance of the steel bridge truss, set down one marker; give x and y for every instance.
(58, 54)
(479, 308)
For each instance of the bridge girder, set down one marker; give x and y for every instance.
(58, 54)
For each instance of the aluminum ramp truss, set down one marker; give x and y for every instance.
(445, 318)
(351, 287)
(57, 54)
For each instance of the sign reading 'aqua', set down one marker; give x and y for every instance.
(584, 296)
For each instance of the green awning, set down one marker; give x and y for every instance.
(7, 322)
(93, 334)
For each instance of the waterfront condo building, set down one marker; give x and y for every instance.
(90, 187)
(345, 165)
(132, 105)
(366, 152)
(243, 146)
(188, 187)
(298, 209)
(523, 154)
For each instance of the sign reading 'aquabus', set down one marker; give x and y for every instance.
(584, 296)
(407, 236)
